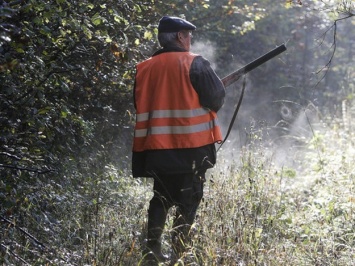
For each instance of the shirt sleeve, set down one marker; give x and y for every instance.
(207, 84)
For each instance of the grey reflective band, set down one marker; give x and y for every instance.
(176, 129)
(171, 114)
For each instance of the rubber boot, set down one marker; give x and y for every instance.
(153, 252)
(156, 221)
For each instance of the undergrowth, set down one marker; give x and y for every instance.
(254, 212)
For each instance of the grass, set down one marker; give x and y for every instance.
(254, 212)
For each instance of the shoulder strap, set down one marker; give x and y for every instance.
(235, 113)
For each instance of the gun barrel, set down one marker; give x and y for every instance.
(233, 77)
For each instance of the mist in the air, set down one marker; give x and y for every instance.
(279, 132)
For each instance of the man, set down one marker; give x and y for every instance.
(176, 96)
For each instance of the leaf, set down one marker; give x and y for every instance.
(87, 32)
(37, 21)
(96, 19)
(120, 19)
(63, 114)
(44, 110)
(148, 35)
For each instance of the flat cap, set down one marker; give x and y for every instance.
(174, 24)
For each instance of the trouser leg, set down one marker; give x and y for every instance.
(190, 198)
(157, 213)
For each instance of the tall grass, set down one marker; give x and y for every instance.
(254, 211)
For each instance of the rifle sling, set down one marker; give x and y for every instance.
(235, 113)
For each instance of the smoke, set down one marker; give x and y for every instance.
(207, 50)
(277, 129)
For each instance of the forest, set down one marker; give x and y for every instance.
(282, 191)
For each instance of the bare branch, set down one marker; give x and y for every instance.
(23, 231)
(28, 235)
(326, 67)
(33, 170)
(15, 255)
(13, 156)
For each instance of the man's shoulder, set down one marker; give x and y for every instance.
(200, 61)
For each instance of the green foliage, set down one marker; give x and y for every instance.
(67, 70)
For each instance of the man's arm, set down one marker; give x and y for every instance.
(207, 84)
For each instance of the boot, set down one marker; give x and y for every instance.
(153, 253)
(156, 220)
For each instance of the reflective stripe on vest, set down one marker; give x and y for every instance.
(171, 113)
(156, 130)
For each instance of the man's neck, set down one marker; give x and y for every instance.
(170, 49)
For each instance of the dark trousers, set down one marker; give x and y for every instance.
(184, 191)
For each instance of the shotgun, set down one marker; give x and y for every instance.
(233, 77)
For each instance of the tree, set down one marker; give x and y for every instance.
(66, 71)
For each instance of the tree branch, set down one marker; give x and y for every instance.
(23, 231)
(33, 170)
(14, 254)
(334, 45)
(28, 235)
(16, 2)
(13, 156)
(44, 80)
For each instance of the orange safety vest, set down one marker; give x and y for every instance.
(168, 112)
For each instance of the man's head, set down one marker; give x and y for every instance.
(174, 31)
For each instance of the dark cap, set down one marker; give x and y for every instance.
(174, 24)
